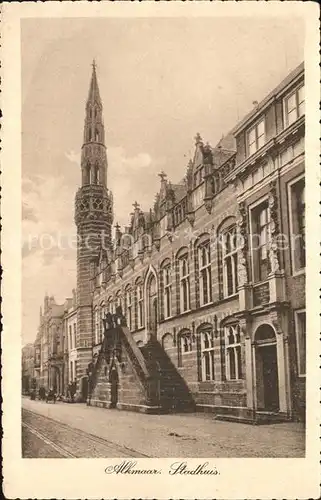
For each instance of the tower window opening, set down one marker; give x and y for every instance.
(96, 135)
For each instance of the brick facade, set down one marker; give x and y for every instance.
(230, 319)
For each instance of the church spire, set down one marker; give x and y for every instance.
(93, 158)
(94, 127)
(94, 96)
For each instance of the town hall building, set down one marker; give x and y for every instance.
(210, 279)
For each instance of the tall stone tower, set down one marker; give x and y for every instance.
(93, 217)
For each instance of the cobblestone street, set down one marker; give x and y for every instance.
(77, 430)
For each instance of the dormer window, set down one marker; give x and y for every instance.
(256, 137)
(294, 106)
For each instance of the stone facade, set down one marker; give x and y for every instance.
(49, 346)
(27, 368)
(210, 279)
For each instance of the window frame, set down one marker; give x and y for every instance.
(140, 305)
(207, 352)
(129, 305)
(183, 337)
(96, 324)
(294, 92)
(230, 255)
(184, 279)
(234, 347)
(207, 270)
(297, 313)
(300, 270)
(254, 252)
(255, 128)
(166, 271)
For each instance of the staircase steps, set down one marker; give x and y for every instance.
(174, 393)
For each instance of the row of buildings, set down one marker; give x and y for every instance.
(212, 276)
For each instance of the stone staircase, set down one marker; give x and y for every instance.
(148, 380)
(174, 394)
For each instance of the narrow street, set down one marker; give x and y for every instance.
(77, 431)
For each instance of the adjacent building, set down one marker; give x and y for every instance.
(211, 278)
(27, 368)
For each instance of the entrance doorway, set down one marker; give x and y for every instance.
(114, 380)
(152, 304)
(267, 381)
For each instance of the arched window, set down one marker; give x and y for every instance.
(119, 302)
(96, 325)
(167, 341)
(110, 305)
(128, 305)
(102, 315)
(97, 174)
(184, 280)
(204, 272)
(88, 173)
(207, 355)
(184, 340)
(233, 352)
(229, 260)
(166, 285)
(140, 305)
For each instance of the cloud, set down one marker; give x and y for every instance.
(49, 231)
(28, 213)
(73, 157)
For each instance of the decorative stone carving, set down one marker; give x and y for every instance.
(191, 217)
(243, 246)
(274, 229)
(208, 204)
(157, 243)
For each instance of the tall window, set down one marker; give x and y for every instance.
(167, 290)
(233, 353)
(119, 302)
(256, 137)
(184, 284)
(70, 337)
(102, 315)
(229, 242)
(184, 346)
(129, 311)
(207, 345)
(96, 323)
(294, 106)
(260, 241)
(205, 275)
(75, 335)
(110, 305)
(297, 223)
(140, 306)
(300, 332)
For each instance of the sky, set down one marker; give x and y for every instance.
(161, 81)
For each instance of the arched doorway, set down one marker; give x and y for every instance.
(267, 380)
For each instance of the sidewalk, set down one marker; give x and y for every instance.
(187, 435)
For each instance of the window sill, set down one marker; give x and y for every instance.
(230, 297)
(300, 272)
(206, 305)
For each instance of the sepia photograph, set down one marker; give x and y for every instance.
(163, 274)
(163, 241)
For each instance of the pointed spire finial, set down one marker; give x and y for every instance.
(198, 138)
(94, 64)
(136, 206)
(162, 175)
